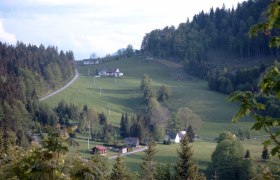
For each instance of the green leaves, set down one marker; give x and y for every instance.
(270, 82)
(267, 143)
(243, 111)
(269, 86)
(273, 21)
(263, 27)
(248, 106)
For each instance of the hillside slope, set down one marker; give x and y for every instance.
(122, 95)
(27, 71)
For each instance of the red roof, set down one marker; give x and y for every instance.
(101, 148)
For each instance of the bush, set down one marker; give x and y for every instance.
(167, 142)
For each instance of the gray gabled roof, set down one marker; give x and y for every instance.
(172, 135)
(131, 141)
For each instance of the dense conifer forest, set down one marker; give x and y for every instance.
(218, 34)
(26, 72)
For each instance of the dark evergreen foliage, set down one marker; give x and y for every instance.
(186, 167)
(65, 112)
(120, 171)
(148, 165)
(219, 33)
(191, 134)
(164, 171)
(123, 128)
(27, 71)
(265, 154)
(248, 154)
(102, 119)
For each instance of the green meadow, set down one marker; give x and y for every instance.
(115, 96)
(203, 150)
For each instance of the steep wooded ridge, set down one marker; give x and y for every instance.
(221, 33)
(27, 71)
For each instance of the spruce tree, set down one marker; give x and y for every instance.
(163, 171)
(190, 133)
(128, 124)
(100, 167)
(186, 167)
(149, 164)
(122, 127)
(119, 171)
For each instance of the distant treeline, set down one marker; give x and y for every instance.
(27, 71)
(221, 33)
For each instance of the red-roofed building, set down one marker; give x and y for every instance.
(100, 149)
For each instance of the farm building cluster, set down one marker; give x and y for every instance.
(110, 72)
(130, 142)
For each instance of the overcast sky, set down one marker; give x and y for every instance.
(87, 26)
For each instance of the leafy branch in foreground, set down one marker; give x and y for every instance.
(269, 85)
(272, 23)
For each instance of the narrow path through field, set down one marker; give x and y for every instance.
(64, 87)
(132, 152)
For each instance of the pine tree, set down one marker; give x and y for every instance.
(149, 164)
(123, 127)
(128, 124)
(119, 171)
(265, 154)
(186, 167)
(100, 167)
(163, 171)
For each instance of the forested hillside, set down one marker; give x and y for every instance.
(220, 33)
(27, 71)
(216, 46)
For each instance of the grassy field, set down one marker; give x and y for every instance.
(122, 95)
(203, 150)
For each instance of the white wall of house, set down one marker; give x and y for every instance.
(123, 150)
(177, 138)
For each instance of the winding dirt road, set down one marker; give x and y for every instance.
(64, 87)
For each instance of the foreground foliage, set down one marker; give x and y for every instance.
(186, 167)
(269, 86)
(228, 160)
(27, 71)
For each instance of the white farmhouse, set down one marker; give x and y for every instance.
(173, 137)
(110, 72)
